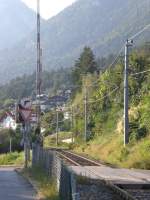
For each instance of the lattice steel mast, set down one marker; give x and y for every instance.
(39, 64)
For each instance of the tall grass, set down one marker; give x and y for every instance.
(111, 150)
(46, 187)
(14, 158)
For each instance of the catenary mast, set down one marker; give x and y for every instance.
(39, 64)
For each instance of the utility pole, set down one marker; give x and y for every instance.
(28, 129)
(39, 66)
(57, 123)
(85, 115)
(128, 44)
(72, 123)
(10, 144)
(24, 131)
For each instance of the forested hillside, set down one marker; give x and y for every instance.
(105, 111)
(102, 25)
(25, 86)
(104, 95)
(17, 21)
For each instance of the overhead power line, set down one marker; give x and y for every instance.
(116, 58)
(140, 32)
(140, 72)
(113, 62)
(109, 94)
(120, 51)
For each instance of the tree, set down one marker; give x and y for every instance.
(84, 65)
(48, 119)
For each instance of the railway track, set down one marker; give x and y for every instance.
(76, 160)
(141, 192)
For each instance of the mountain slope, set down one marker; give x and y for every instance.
(16, 22)
(103, 25)
(96, 23)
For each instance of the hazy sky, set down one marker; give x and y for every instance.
(49, 8)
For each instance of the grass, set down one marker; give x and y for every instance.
(50, 141)
(14, 158)
(111, 150)
(46, 187)
(107, 144)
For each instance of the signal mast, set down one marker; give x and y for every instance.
(39, 67)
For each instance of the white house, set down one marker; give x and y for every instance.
(7, 121)
(67, 115)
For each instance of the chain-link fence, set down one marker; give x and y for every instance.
(57, 170)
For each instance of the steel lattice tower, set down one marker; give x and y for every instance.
(39, 64)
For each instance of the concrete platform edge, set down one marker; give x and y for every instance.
(122, 193)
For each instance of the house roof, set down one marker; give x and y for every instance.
(58, 98)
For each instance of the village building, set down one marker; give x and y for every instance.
(7, 121)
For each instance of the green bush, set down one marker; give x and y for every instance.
(14, 158)
(138, 134)
(46, 186)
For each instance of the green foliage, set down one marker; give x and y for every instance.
(50, 140)
(6, 135)
(14, 158)
(49, 122)
(47, 189)
(65, 125)
(25, 86)
(138, 134)
(124, 154)
(8, 102)
(105, 114)
(106, 108)
(141, 155)
(84, 65)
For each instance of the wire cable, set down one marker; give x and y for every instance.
(116, 58)
(109, 65)
(109, 94)
(140, 72)
(140, 32)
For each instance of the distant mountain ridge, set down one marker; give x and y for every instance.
(16, 22)
(100, 24)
